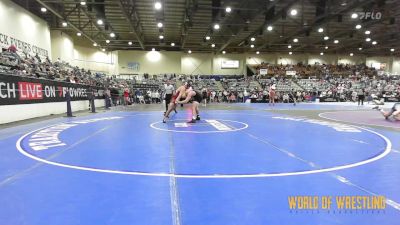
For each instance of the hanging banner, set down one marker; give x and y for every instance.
(23, 90)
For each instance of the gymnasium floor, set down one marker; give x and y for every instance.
(237, 166)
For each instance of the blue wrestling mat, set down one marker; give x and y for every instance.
(233, 167)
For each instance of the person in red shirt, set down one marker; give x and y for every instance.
(126, 96)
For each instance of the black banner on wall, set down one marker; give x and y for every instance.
(145, 86)
(23, 90)
(327, 99)
(392, 99)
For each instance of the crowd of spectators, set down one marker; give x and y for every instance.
(340, 82)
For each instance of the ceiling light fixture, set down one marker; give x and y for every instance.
(354, 16)
(64, 24)
(320, 30)
(216, 26)
(157, 5)
(172, 44)
(293, 12)
(130, 43)
(228, 9)
(295, 40)
(159, 24)
(43, 9)
(270, 28)
(100, 22)
(358, 26)
(112, 35)
(83, 3)
(290, 53)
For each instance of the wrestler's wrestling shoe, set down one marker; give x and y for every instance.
(376, 107)
(192, 121)
(165, 119)
(197, 117)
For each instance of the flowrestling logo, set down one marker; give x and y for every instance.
(369, 15)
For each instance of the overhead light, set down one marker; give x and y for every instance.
(64, 24)
(159, 24)
(295, 40)
(326, 47)
(190, 51)
(228, 9)
(336, 41)
(223, 52)
(320, 30)
(130, 43)
(354, 16)
(107, 41)
(212, 45)
(392, 49)
(252, 39)
(293, 12)
(290, 53)
(158, 5)
(172, 44)
(358, 26)
(360, 49)
(216, 26)
(79, 34)
(100, 22)
(351, 54)
(208, 38)
(103, 49)
(161, 36)
(153, 49)
(374, 42)
(368, 39)
(251, 46)
(326, 38)
(367, 32)
(83, 2)
(269, 28)
(112, 35)
(94, 44)
(321, 53)
(289, 46)
(43, 9)
(257, 52)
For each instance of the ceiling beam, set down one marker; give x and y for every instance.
(277, 16)
(326, 18)
(133, 19)
(190, 8)
(56, 13)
